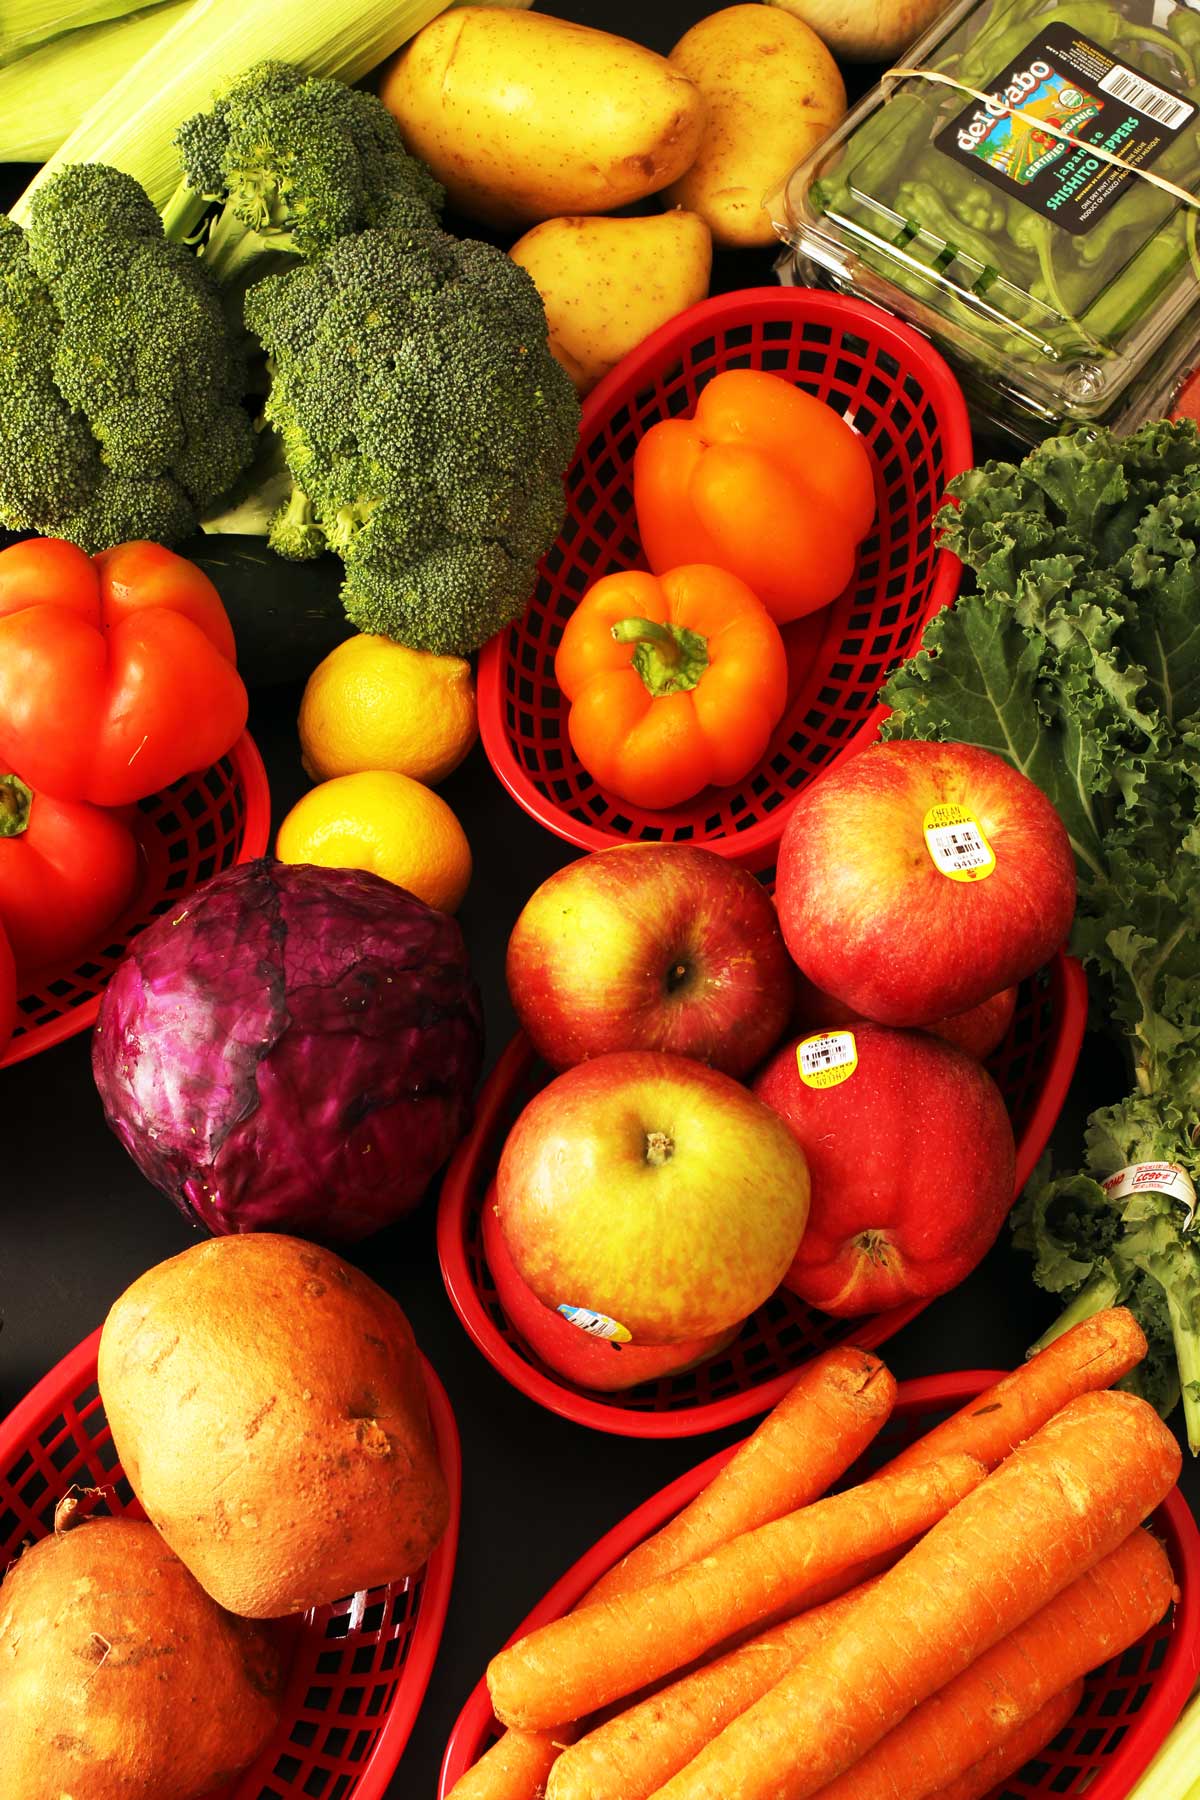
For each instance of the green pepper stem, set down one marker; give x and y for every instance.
(669, 658)
(648, 631)
(16, 804)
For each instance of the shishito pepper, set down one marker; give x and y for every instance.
(66, 871)
(764, 481)
(117, 672)
(676, 682)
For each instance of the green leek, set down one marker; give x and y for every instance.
(1175, 1772)
(45, 93)
(133, 126)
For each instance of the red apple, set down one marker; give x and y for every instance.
(979, 1031)
(917, 880)
(911, 1157)
(654, 1190)
(588, 1361)
(651, 947)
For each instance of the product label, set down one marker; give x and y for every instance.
(827, 1058)
(1064, 79)
(597, 1325)
(958, 844)
(1154, 1178)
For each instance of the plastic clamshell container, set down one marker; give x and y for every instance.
(357, 1670)
(186, 834)
(1129, 1705)
(1058, 287)
(1033, 1067)
(890, 383)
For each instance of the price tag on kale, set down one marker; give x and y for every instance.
(1066, 80)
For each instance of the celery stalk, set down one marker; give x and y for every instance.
(45, 93)
(1175, 1772)
(134, 124)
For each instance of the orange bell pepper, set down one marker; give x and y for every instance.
(117, 672)
(764, 481)
(676, 682)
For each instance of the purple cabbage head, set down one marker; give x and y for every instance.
(293, 1049)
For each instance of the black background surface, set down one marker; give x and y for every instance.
(78, 1223)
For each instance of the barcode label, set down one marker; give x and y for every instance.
(827, 1059)
(1155, 102)
(597, 1325)
(957, 843)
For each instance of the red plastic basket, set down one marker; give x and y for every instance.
(908, 407)
(358, 1669)
(193, 829)
(1033, 1066)
(1128, 1706)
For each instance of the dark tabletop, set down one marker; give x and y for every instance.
(78, 1223)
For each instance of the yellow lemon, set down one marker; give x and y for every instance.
(373, 704)
(384, 823)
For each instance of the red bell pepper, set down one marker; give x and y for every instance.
(117, 672)
(66, 871)
(8, 993)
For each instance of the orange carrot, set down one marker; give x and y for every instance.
(515, 1768)
(631, 1755)
(824, 1422)
(1018, 1748)
(1096, 1618)
(600, 1653)
(1091, 1356)
(1052, 1510)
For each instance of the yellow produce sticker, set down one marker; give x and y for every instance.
(827, 1059)
(596, 1324)
(958, 844)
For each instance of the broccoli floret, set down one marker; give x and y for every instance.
(122, 415)
(426, 426)
(292, 162)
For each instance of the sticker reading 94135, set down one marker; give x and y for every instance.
(958, 844)
(827, 1058)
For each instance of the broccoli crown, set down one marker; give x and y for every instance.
(426, 422)
(122, 415)
(298, 162)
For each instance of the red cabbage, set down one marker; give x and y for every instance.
(293, 1049)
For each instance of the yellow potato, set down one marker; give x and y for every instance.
(608, 283)
(865, 30)
(525, 117)
(773, 93)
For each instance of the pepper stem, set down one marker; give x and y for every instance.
(16, 804)
(669, 658)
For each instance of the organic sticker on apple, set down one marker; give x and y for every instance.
(827, 1058)
(958, 844)
(597, 1325)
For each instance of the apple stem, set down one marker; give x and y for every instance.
(659, 1148)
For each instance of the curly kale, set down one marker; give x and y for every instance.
(122, 413)
(426, 428)
(284, 164)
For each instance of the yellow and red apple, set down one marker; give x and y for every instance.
(917, 880)
(653, 1190)
(588, 1361)
(911, 1157)
(978, 1031)
(651, 947)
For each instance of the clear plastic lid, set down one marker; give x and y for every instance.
(1052, 277)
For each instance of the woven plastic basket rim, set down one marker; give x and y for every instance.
(740, 306)
(76, 1371)
(457, 1200)
(251, 775)
(927, 1394)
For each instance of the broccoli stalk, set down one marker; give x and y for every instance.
(426, 428)
(122, 413)
(282, 165)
